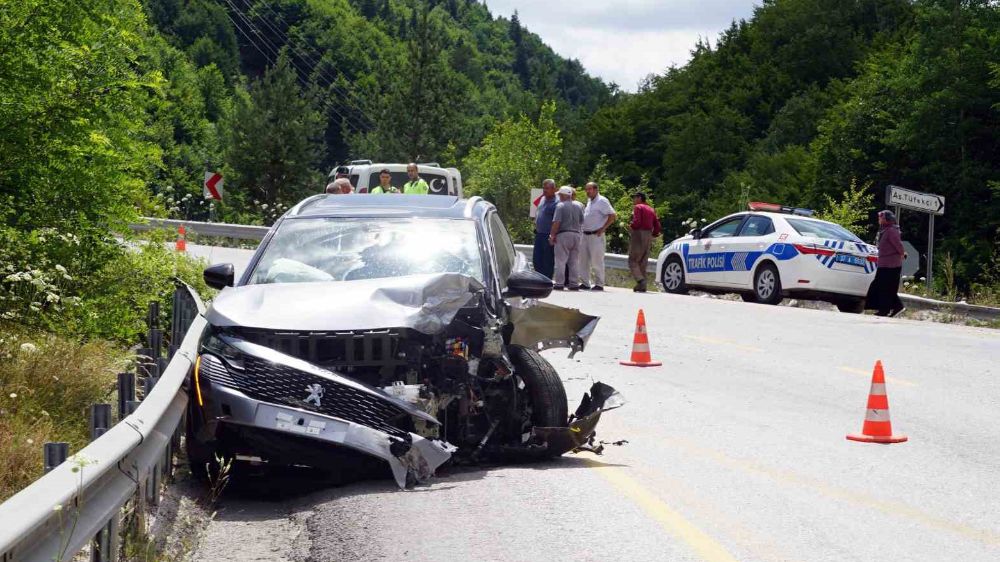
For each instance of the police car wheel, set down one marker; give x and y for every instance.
(767, 285)
(673, 277)
(748, 297)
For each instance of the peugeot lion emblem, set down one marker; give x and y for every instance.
(315, 393)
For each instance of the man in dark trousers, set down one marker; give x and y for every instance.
(543, 255)
(883, 293)
(645, 226)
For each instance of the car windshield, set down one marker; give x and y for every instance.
(822, 229)
(338, 249)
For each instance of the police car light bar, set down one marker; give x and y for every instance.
(775, 208)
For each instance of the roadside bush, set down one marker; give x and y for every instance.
(620, 196)
(47, 384)
(852, 210)
(90, 288)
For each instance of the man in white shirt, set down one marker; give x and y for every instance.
(597, 217)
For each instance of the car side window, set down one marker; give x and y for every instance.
(725, 229)
(503, 247)
(757, 226)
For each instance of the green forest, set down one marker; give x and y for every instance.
(114, 109)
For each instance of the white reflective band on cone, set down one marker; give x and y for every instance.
(878, 389)
(877, 415)
(640, 329)
(640, 347)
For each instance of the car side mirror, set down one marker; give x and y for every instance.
(220, 275)
(528, 284)
(695, 233)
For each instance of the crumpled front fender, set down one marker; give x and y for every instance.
(539, 326)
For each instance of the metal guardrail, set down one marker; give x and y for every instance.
(611, 261)
(81, 500)
(225, 230)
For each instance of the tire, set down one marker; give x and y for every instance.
(672, 277)
(767, 285)
(543, 385)
(853, 306)
(748, 297)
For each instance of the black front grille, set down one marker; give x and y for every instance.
(287, 386)
(373, 348)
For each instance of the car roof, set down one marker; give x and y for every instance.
(365, 205)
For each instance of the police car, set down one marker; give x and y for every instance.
(771, 252)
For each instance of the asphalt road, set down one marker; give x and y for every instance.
(736, 451)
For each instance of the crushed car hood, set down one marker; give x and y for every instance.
(426, 303)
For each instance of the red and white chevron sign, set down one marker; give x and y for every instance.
(213, 186)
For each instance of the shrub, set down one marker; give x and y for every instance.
(47, 384)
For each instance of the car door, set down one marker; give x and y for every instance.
(754, 236)
(705, 260)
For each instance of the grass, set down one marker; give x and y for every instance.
(47, 384)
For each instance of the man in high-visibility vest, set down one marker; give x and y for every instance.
(384, 186)
(415, 186)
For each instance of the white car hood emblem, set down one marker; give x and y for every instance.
(315, 394)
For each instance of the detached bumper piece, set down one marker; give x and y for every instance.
(579, 435)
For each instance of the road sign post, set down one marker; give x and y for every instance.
(930, 203)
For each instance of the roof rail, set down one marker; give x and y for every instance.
(361, 162)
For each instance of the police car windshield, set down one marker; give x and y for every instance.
(338, 249)
(822, 229)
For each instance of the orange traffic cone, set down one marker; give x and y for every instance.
(181, 239)
(640, 346)
(877, 427)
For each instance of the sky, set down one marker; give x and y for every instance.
(622, 41)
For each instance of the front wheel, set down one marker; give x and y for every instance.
(543, 386)
(673, 277)
(767, 285)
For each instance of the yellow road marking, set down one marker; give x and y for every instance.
(699, 541)
(719, 341)
(893, 380)
(896, 509)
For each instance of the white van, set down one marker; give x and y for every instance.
(364, 175)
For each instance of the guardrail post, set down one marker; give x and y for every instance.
(147, 385)
(155, 341)
(126, 393)
(105, 543)
(55, 454)
(153, 315)
(100, 420)
(131, 406)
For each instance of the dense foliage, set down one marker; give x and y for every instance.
(812, 98)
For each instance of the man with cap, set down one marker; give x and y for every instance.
(567, 230)
(385, 185)
(883, 293)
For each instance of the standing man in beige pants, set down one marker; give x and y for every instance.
(567, 227)
(597, 217)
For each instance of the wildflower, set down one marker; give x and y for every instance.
(44, 413)
(13, 395)
(30, 441)
(28, 347)
(60, 269)
(57, 507)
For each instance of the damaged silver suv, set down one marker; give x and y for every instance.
(398, 328)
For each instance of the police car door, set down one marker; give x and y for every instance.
(754, 237)
(706, 260)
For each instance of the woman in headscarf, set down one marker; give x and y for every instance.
(883, 293)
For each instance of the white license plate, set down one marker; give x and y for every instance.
(849, 260)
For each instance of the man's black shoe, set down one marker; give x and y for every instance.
(557, 287)
(585, 286)
(597, 288)
(896, 312)
(573, 288)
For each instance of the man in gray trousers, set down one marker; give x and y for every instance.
(566, 235)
